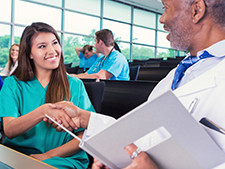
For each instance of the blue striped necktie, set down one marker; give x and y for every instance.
(184, 65)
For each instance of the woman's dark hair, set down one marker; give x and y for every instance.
(10, 60)
(117, 47)
(58, 88)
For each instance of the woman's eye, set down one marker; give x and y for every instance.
(55, 42)
(42, 46)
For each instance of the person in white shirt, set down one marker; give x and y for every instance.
(197, 26)
(12, 61)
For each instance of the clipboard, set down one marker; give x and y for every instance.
(184, 143)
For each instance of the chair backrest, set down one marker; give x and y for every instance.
(122, 96)
(68, 65)
(153, 73)
(72, 69)
(134, 70)
(95, 91)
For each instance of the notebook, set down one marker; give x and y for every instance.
(170, 136)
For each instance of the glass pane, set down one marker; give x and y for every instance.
(5, 10)
(125, 49)
(144, 18)
(88, 26)
(144, 36)
(4, 44)
(182, 53)
(162, 41)
(87, 6)
(120, 31)
(72, 41)
(165, 53)
(18, 33)
(37, 13)
(142, 52)
(160, 26)
(51, 2)
(118, 11)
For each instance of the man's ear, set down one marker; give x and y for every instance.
(101, 42)
(198, 10)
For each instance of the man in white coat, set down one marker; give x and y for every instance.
(197, 26)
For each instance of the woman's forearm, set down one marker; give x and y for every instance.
(66, 149)
(14, 127)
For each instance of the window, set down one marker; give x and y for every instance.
(160, 26)
(81, 24)
(4, 44)
(125, 49)
(143, 35)
(162, 41)
(120, 31)
(86, 6)
(144, 18)
(18, 33)
(26, 13)
(138, 32)
(143, 52)
(164, 53)
(5, 10)
(50, 2)
(117, 11)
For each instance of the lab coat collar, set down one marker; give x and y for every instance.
(205, 81)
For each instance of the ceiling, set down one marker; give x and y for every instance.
(153, 5)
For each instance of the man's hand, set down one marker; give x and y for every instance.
(79, 117)
(141, 161)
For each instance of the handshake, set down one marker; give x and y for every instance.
(66, 114)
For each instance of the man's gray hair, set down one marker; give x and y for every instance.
(216, 10)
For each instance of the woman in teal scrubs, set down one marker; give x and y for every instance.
(25, 98)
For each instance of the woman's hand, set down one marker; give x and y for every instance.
(58, 115)
(40, 157)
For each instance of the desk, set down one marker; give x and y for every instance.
(18, 160)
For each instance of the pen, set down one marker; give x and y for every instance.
(208, 123)
(64, 128)
(192, 105)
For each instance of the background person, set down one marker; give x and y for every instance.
(39, 80)
(87, 56)
(12, 61)
(112, 64)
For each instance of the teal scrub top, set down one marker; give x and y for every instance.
(87, 63)
(115, 63)
(18, 98)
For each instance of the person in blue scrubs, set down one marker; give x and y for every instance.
(87, 56)
(26, 97)
(112, 65)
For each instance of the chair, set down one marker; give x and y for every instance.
(1, 133)
(68, 65)
(72, 69)
(134, 71)
(122, 96)
(95, 91)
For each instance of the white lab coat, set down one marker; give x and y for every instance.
(203, 96)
